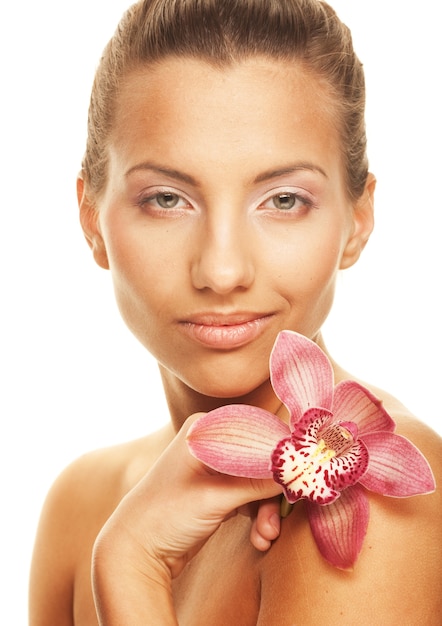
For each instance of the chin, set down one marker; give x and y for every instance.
(235, 389)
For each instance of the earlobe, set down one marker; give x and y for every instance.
(90, 225)
(363, 223)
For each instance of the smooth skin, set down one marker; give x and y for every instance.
(225, 219)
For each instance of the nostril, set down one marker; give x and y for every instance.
(222, 270)
(222, 277)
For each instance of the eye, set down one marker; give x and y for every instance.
(164, 201)
(284, 201)
(167, 200)
(287, 201)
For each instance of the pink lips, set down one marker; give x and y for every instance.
(225, 332)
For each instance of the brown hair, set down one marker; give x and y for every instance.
(222, 32)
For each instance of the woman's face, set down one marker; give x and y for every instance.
(225, 218)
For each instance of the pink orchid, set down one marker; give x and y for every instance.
(339, 442)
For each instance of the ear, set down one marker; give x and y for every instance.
(363, 223)
(90, 225)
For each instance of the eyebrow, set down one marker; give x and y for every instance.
(290, 169)
(264, 176)
(171, 173)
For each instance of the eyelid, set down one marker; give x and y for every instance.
(301, 194)
(149, 195)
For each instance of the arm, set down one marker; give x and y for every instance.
(76, 507)
(158, 527)
(52, 568)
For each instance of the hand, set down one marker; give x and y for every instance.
(160, 525)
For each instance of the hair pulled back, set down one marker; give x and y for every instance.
(222, 32)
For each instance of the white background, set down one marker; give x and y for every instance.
(72, 377)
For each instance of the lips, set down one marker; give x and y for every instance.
(225, 332)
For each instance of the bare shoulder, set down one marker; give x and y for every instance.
(90, 487)
(420, 434)
(397, 578)
(425, 438)
(76, 507)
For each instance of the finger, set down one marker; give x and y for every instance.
(267, 524)
(232, 491)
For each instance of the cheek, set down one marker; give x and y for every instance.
(145, 271)
(305, 276)
(308, 261)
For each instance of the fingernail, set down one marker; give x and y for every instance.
(275, 522)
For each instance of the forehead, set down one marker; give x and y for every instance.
(258, 106)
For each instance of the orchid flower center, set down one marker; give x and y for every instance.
(336, 439)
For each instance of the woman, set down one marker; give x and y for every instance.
(225, 184)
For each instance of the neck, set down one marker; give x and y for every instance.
(339, 373)
(184, 401)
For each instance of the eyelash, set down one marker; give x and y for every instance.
(153, 201)
(305, 202)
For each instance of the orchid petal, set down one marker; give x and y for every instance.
(353, 402)
(300, 476)
(301, 374)
(237, 439)
(307, 467)
(305, 431)
(339, 528)
(396, 468)
(346, 469)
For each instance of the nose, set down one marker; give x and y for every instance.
(223, 258)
